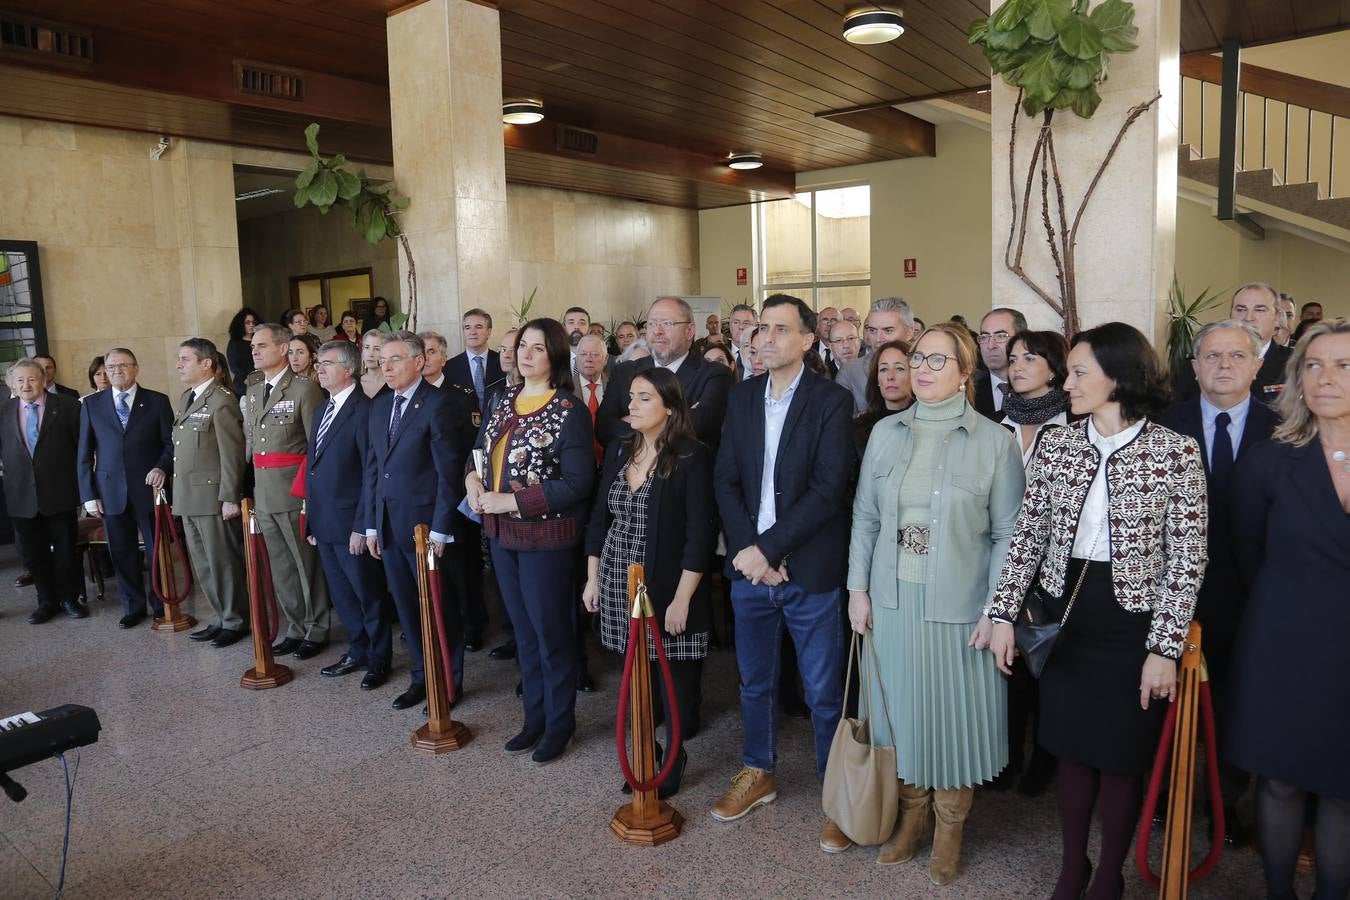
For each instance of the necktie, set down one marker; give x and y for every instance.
(187, 399)
(478, 377)
(31, 430)
(1221, 457)
(328, 413)
(123, 410)
(1004, 389)
(399, 400)
(591, 402)
(267, 392)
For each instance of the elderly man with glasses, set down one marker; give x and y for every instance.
(991, 388)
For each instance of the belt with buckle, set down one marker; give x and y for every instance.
(915, 539)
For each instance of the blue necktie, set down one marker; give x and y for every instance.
(327, 421)
(1221, 457)
(123, 411)
(478, 377)
(31, 429)
(399, 400)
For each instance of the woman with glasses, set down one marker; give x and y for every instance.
(1112, 530)
(937, 497)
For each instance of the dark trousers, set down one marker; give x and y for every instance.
(125, 531)
(47, 545)
(356, 587)
(464, 559)
(536, 587)
(687, 677)
(400, 571)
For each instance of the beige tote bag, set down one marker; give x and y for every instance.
(861, 792)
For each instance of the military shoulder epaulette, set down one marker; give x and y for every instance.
(257, 376)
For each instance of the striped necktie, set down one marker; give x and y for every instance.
(399, 400)
(327, 420)
(123, 410)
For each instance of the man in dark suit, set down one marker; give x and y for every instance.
(335, 466)
(997, 329)
(479, 365)
(39, 442)
(49, 369)
(670, 334)
(1258, 305)
(126, 455)
(782, 480)
(1226, 422)
(420, 439)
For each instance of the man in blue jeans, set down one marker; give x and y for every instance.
(782, 478)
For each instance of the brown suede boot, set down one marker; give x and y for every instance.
(950, 809)
(913, 817)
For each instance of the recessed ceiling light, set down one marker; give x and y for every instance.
(745, 160)
(522, 112)
(873, 26)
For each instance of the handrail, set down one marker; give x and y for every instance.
(1308, 93)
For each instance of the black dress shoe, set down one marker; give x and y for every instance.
(585, 684)
(375, 677)
(75, 609)
(411, 697)
(523, 742)
(505, 651)
(205, 634)
(671, 786)
(550, 750)
(1003, 780)
(473, 641)
(131, 621)
(24, 580)
(309, 649)
(41, 614)
(227, 636)
(344, 666)
(1040, 772)
(287, 646)
(1234, 832)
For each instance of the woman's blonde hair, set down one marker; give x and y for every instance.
(966, 351)
(1298, 426)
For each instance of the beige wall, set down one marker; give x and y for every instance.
(726, 242)
(133, 251)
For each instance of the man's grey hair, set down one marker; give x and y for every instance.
(27, 362)
(639, 344)
(593, 338)
(744, 307)
(413, 342)
(894, 304)
(1019, 319)
(347, 355)
(280, 333)
(125, 352)
(1253, 336)
(1260, 286)
(481, 313)
(681, 302)
(433, 336)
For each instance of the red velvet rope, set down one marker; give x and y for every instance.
(263, 589)
(672, 710)
(166, 531)
(1155, 787)
(442, 639)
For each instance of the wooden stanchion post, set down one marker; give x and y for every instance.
(1176, 856)
(648, 820)
(173, 620)
(266, 673)
(441, 733)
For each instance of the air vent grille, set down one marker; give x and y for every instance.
(576, 140)
(269, 81)
(64, 42)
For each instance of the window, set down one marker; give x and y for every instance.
(23, 327)
(818, 246)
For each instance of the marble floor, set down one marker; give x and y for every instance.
(197, 788)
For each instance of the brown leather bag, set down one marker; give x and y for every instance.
(861, 791)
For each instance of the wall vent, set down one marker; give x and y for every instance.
(576, 140)
(19, 34)
(269, 81)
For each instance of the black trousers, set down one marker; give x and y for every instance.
(47, 546)
(465, 559)
(687, 677)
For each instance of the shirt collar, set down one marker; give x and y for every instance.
(275, 380)
(675, 366)
(787, 395)
(407, 395)
(41, 400)
(202, 389)
(1265, 348)
(1107, 445)
(440, 380)
(1237, 412)
(130, 392)
(341, 396)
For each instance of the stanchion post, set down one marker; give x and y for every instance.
(648, 820)
(266, 673)
(1176, 857)
(173, 620)
(441, 733)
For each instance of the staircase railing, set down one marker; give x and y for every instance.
(1275, 110)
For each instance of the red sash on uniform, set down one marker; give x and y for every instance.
(281, 461)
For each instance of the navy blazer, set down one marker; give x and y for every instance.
(812, 474)
(419, 477)
(334, 472)
(113, 462)
(457, 372)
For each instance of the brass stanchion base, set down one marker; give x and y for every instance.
(434, 743)
(663, 826)
(174, 624)
(255, 680)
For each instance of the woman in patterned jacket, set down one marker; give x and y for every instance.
(1112, 529)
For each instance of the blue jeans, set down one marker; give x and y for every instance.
(816, 627)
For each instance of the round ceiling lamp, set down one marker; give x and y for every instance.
(522, 112)
(873, 26)
(745, 160)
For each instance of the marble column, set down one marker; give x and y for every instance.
(1126, 243)
(445, 88)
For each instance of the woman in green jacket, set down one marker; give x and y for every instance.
(937, 497)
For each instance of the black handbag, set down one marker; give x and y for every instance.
(1035, 631)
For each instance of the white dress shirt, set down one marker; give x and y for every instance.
(1093, 538)
(584, 391)
(1237, 421)
(340, 398)
(1061, 418)
(675, 365)
(994, 382)
(775, 416)
(440, 380)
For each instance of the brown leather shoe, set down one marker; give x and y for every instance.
(950, 809)
(900, 847)
(750, 787)
(832, 838)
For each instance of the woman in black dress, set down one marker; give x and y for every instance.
(1112, 529)
(1287, 719)
(654, 505)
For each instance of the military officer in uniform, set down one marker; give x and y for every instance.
(208, 478)
(280, 408)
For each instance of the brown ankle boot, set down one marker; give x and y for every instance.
(950, 809)
(913, 817)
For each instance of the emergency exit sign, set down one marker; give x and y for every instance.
(911, 267)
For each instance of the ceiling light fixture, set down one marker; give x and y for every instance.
(522, 112)
(873, 26)
(745, 160)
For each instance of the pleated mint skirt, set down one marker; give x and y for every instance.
(947, 702)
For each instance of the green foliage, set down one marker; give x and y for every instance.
(326, 184)
(1055, 51)
(1184, 321)
(521, 314)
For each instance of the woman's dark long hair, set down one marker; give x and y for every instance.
(94, 365)
(875, 402)
(559, 351)
(678, 432)
(1128, 359)
(237, 323)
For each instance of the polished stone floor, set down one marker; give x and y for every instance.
(197, 788)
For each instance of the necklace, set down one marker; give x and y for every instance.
(1341, 457)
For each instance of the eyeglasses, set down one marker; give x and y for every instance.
(118, 367)
(935, 360)
(325, 364)
(388, 360)
(998, 337)
(667, 324)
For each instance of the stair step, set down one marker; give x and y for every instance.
(1264, 186)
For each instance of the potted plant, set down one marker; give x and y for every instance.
(1184, 322)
